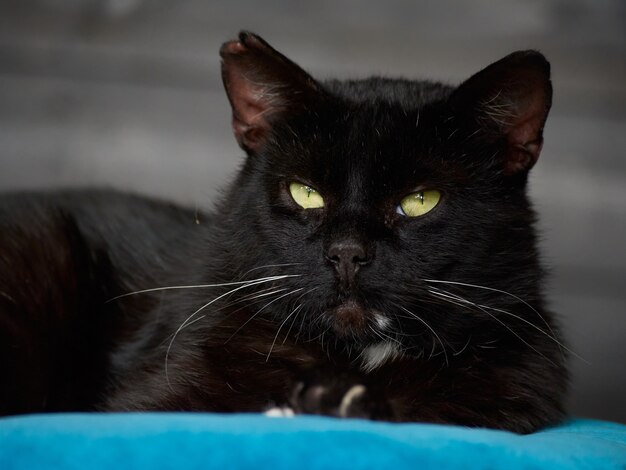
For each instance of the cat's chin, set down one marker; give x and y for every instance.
(352, 320)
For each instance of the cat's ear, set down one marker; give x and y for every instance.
(262, 85)
(510, 99)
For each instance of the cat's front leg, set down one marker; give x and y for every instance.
(342, 395)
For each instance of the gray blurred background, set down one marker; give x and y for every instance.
(126, 93)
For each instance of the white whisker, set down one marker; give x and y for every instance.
(203, 286)
(538, 329)
(293, 322)
(443, 292)
(280, 328)
(390, 338)
(268, 266)
(499, 291)
(186, 322)
(417, 317)
(458, 353)
(294, 318)
(258, 295)
(451, 296)
(260, 310)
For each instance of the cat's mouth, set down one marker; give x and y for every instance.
(352, 319)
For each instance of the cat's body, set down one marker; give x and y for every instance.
(350, 308)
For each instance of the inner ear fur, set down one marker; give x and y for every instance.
(262, 85)
(510, 99)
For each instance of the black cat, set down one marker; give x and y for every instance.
(375, 257)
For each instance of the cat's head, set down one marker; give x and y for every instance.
(383, 197)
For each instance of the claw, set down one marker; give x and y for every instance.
(353, 393)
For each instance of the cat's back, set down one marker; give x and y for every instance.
(63, 255)
(93, 209)
(131, 229)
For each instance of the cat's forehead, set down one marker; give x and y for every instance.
(394, 91)
(377, 135)
(372, 147)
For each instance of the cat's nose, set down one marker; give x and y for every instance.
(347, 256)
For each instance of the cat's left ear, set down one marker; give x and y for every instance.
(510, 99)
(262, 86)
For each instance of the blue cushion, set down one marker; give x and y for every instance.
(195, 440)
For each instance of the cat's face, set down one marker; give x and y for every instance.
(371, 191)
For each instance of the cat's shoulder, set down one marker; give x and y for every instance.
(136, 233)
(88, 203)
(103, 216)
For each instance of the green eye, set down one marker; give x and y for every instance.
(305, 196)
(419, 203)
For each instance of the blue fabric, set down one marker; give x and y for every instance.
(189, 440)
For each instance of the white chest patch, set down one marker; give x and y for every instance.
(376, 355)
(381, 321)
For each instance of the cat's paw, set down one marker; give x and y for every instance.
(343, 401)
(279, 412)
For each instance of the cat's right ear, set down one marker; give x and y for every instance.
(262, 85)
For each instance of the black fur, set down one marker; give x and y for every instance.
(363, 145)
